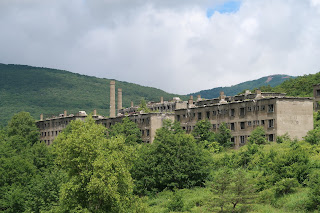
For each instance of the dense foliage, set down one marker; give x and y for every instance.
(89, 169)
(49, 91)
(174, 160)
(271, 81)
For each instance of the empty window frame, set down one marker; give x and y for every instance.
(178, 117)
(318, 92)
(242, 125)
(271, 123)
(242, 139)
(208, 114)
(199, 116)
(271, 137)
(232, 112)
(262, 122)
(263, 107)
(270, 108)
(249, 123)
(242, 111)
(232, 127)
(148, 132)
(249, 109)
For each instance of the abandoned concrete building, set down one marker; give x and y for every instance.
(275, 112)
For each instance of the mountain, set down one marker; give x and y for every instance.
(272, 80)
(300, 86)
(42, 90)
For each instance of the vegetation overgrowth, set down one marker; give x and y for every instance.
(42, 90)
(91, 169)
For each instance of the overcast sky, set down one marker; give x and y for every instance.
(180, 46)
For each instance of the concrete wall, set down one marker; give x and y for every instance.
(295, 117)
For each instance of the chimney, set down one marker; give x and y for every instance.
(65, 113)
(94, 112)
(190, 101)
(119, 99)
(112, 99)
(41, 117)
(222, 97)
(161, 100)
(258, 94)
(198, 97)
(131, 103)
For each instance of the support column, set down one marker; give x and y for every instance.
(112, 99)
(119, 99)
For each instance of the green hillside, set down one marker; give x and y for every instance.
(272, 80)
(300, 86)
(50, 91)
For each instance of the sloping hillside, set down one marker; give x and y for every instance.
(301, 86)
(50, 91)
(272, 80)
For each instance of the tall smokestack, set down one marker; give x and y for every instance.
(190, 101)
(94, 112)
(131, 103)
(161, 100)
(41, 117)
(112, 99)
(119, 98)
(198, 97)
(65, 113)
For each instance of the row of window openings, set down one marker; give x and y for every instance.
(232, 112)
(147, 120)
(244, 137)
(249, 123)
(147, 131)
(163, 108)
(56, 124)
(53, 133)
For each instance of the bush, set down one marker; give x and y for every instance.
(286, 186)
(174, 160)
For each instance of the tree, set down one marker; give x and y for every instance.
(143, 106)
(174, 160)
(23, 127)
(202, 131)
(224, 136)
(128, 129)
(98, 178)
(313, 136)
(258, 136)
(232, 187)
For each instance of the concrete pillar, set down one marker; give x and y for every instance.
(190, 101)
(222, 97)
(94, 112)
(41, 117)
(161, 100)
(198, 97)
(258, 94)
(131, 103)
(112, 99)
(119, 98)
(65, 113)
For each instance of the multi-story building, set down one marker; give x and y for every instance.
(275, 112)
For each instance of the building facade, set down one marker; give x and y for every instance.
(275, 112)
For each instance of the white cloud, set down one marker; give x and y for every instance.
(165, 44)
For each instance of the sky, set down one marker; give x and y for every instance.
(179, 46)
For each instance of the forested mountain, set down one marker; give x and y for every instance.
(272, 80)
(50, 91)
(300, 86)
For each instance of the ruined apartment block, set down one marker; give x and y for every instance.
(275, 112)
